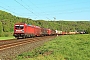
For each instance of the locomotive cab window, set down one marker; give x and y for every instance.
(19, 26)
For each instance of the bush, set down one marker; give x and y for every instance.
(88, 31)
(6, 34)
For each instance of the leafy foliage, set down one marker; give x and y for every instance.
(88, 31)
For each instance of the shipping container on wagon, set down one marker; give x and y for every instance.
(49, 31)
(64, 33)
(58, 32)
(53, 32)
(72, 33)
(44, 31)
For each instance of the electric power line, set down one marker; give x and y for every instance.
(38, 8)
(8, 10)
(25, 7)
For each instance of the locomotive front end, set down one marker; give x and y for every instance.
(19, 30)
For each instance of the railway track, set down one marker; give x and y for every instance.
(2, 42)
(14, 42)
(11, 45)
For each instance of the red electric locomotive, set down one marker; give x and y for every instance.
(22, 30)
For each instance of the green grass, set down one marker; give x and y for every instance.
(6, 38)
(67, 47)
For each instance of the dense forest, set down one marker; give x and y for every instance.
(7, 21)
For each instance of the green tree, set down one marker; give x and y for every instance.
(1, 28)
(88, 31)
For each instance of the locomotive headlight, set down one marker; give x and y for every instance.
(19, 31)
(22, 30)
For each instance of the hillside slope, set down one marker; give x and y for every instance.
(7, 21)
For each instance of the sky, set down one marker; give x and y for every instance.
(67, 10)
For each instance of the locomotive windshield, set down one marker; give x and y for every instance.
(19, 26)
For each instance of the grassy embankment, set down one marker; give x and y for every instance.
(68, 47)
(6, 38)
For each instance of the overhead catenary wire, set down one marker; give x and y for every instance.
(36, 7)
(25, 8)
(9, 10)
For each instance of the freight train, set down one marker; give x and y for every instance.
(23, 30)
